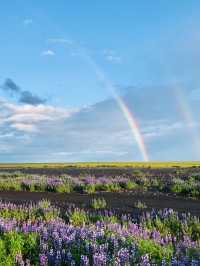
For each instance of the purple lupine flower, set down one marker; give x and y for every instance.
(174, 262)
(123, 255)
(145, 261)
(69, 256)
(72, 263)
(99, 259)
(84, 260)
(195, 263)
(43, 260)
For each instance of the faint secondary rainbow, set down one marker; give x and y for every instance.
(128, 114)
(186, 113)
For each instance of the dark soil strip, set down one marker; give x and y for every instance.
(95, 171)
(121, 202)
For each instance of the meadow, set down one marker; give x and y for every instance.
(40, 234)
(179, 183)
(39, 225)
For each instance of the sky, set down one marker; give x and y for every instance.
(99, 80)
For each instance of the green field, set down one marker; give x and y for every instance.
(101, 164)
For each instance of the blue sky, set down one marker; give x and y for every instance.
(54, 106)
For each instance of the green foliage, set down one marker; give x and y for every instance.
(138, 173)
(78, 218)
(99, 203)
(195, 229)
(3, 253)
(187, 188)
(14, 213)
(31, 246)
(155, 250)
(44, 204)
(65, 188)
(157, 184)
(130, 185)
(140, 205)
(90, 189)
(14, 243)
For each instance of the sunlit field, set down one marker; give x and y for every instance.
(102, 164)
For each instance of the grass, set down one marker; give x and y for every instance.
(99, 203)
(140, 205)
(101, 164)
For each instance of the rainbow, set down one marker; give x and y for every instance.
(186, 114)
(129, 116)
(134, 126)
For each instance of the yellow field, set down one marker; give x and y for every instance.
(101, 164)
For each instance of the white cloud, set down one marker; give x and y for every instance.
(30, 128)
(99, 132)
(28, 118)
(48, 53)
(37, 113)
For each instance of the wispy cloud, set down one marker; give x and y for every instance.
(24, 96)
(48, 53)
(113, 59)
(111, 56)
(60, 40)
(77, 49)
(159, 129)
(91, 153)
(28, 21)
(73, 47)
